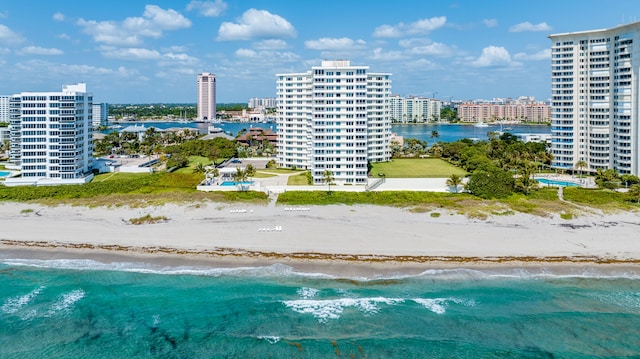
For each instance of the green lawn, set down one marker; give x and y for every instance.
(415, 168)
(298, 180)
(283, 171)
(193, 161)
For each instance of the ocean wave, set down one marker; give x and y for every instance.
(66, 302)
(274, 270)
(439, 305)
(463, 274)
(269, 338)
(307, 293)
(14, 304)
(282, 270)
(627, 300)
(326, 309)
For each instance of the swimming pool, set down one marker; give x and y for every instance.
(550, 182)
(231, 183)
(4, 173)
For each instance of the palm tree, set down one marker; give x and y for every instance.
(454, 181)
(435, 134)
(327, 177)
(199, 168)
(250, 170)
(580, 165)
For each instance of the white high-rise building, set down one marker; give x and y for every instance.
(4, 108)
(100, 114)
(595, 99)
(51, 136)
(414, 109)
(335, 117)
(206, 97)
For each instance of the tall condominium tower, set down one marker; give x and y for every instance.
(206, 97)
(595, 99)
(335, 117)
(100, 114)
(51, 136)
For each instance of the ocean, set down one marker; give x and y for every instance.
(79, 308)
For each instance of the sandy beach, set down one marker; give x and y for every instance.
(338, 236)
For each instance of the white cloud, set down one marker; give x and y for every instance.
(131, 53)
(414, 42)
(58, 16)
(267, 56)
(9, 37)
(333, 44)
(36, 50)
(4, 51)
(208, 8)
(63, 36)
(178, 59)
(540, 55)
(434, 49)
(527, 26)
(72, 70)
(4, 14)
(132, 30)
(418, 27)
(380, 55)
(494, 56)
(254, 24)
(246, 53)
(490, 22)
(270, 44)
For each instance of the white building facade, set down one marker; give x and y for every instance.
(51, 136)
(262, 103)
(4, 108)
(595, 99)
(414, 109)
(206, 97)
(335, 117)
(100, 114)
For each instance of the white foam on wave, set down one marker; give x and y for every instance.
(66, 302)
(12, 305)
(439, 305)
(282, 270)
(269, 338)
(277, 269)
(525, 273)
(627, 300)
(327, 309)
(307, 293)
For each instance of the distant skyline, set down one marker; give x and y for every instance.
(151, 52)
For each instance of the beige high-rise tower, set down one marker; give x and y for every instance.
(206, 97)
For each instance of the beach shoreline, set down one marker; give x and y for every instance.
(339, 240)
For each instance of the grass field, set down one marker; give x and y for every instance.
(298, 180)
(415, 168)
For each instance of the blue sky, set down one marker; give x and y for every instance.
(142, 52)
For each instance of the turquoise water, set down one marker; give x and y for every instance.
(231, 183)
(4, 173)
(550, 182)
(88, 309)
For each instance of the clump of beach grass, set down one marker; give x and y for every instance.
(148, 219)
(26, 211)
(434, 214)
(566, 215)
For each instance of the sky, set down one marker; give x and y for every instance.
(129, 51)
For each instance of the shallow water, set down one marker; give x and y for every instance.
(89, 309)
